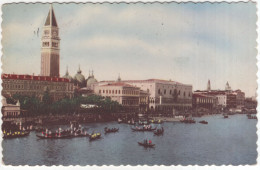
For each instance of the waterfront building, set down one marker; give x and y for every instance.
(164, 96)
(240, 98)
(10, 110)
(50, 49)
(29, 85)
(204, 101)
(250, 103)
(221, 100)
(123, 93)
(226, 98)
(144, 101)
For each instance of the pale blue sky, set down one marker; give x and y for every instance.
(188, 43)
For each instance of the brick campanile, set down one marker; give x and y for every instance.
(50, 49)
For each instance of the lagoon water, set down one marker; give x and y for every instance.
(222, 141)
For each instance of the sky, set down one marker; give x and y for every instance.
(186, 42)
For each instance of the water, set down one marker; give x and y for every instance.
(222, 141)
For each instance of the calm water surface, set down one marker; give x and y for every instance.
(222, 141)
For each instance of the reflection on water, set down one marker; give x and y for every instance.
(222, 141)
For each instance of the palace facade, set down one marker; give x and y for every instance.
(29, 85)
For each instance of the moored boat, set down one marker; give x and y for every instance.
(203, 122)
(251, 117)
(188, 120)
(16, 134)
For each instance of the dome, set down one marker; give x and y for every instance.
(67, 76)
(91, 80)
(79, 79)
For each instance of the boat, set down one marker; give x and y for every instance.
(94, 136)
(188, 120)
(75, 135)
(251, 117)
(159, 132)
(112, 130)
(54, 137)
(203, 122)
(146, 145)
(143, 129)
(156, 121)
(16, 134)
(225, 116)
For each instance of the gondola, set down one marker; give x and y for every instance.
(159, 132)
(188, 121)
(54, 136)
(143, 130)
(203, 122)
(146, 145)
(94, 136)
(19, 134)
(80, 135)
(112, 130)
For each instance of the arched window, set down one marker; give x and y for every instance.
(179, 92)
(159, 91)
(164, 91)
(184, 94)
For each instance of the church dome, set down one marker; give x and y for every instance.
(91, 79)
(67, 76)
(79, 79)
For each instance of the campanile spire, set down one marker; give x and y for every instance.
(50, 49)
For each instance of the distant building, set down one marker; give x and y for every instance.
(231, 100)
(204, 101)
(240, 98)
(250, 103)
(10, 110)
(126, 95)
(29, 85)
(221, 100)
(225, 98)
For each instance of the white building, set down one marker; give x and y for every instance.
(10, 110)
(164, 95)
(222, 100)
(123, 93)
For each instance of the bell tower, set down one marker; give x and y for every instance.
(50, 48)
